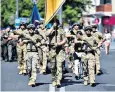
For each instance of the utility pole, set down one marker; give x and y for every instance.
(16, 8)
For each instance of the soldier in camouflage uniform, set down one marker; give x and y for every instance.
(79, 51)
(89, 58)
(70, 38)
(56, 43)
(21, 48)
(7, 44)
(33, 41)
(99, 38)
(44, 48)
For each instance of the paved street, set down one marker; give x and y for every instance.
(12, 81)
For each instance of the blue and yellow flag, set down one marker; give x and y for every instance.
(35, 15)
(52, 7)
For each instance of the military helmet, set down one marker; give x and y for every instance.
(94, 26)
(23, 24)
(88, 28)
(75, 24)
(31, 26)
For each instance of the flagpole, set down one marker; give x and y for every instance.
(60, 15)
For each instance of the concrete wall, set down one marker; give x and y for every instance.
(113, 6)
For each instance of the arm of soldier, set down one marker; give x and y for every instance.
(13, 36)
(25, 41)
(64, 39)
(43, 34)
(62, 42)
(50, 31)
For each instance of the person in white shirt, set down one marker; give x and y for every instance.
(107, 37)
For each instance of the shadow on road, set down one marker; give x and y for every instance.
(38, 84)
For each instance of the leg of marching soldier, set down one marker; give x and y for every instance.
(19, 52)
(10, 52)
(40, 53)
(97, 57)
(60, 59)
(76, 67)
(44, 60)
(85, 68)
(91, 68)
(24, 58)
(34, 68)
(53, 66)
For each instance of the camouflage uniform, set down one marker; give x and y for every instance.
(89, 59)
(56, 55)
(44, 49)
(79, 51)
(71, 47)
(7, 45)
(99, 37)
(32, 55)
(21, 51)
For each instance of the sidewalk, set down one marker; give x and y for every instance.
(112, 45)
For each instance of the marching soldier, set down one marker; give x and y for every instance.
(7, 44)
(99, 39)
(32, 41)
(21, 48)
(56, 43)
(44, 48)
(89, 58)
(79, 51)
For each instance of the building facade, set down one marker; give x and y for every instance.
(104, 11)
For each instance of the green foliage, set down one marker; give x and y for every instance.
(72, 10)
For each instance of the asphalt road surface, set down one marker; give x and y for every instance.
(12, 81)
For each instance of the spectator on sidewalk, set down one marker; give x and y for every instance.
(107, 36)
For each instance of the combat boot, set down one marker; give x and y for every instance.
(58, 84)
(43, 72)
(20, 72)
(24, 72)
(92, 84)
(85, 82)
(31, 83)
(54, 83)
(98, 73)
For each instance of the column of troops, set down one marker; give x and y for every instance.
(80, 47)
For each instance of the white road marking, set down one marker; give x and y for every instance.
(51, 88)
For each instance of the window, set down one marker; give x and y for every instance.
(105, 1)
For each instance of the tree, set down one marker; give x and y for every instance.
(72, 10)
(8, 10)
